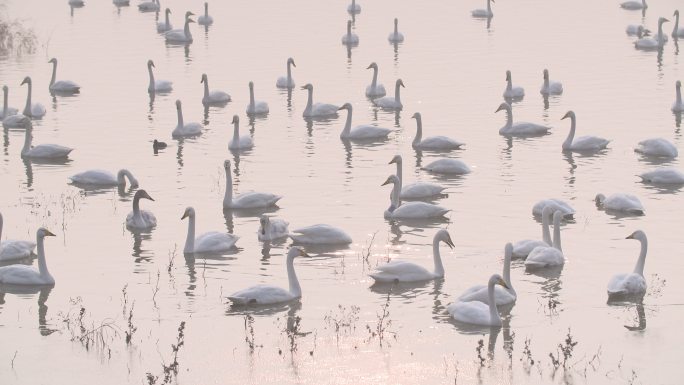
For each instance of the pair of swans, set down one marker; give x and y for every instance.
(556, 205)
(42, 151)
(32, 110)
(396, 36)
(583, 144)
(391, 102)
(249, 200)
(409, 210)
(664, 176)
(140, 220)
(375, 90)
(271, 229)
(548, 256)
(676, 31)
(157, 86)
(549, 87)
(417, 190)
(320, 234)
(102, 178)
(205, 19)
(631, 285)
(512, 92)
(181, 35)
(447, 166)
(12, 250)
(317, 110)
(620, 202)
(432, 143)
(61, 86)
(362, 132)
(239, 143)
(519, 129)
(215, 97)
(184, 130)
(479, 313)
(484, 13)
(255, 107)
(27, 275)
(647, 43)
(287, 81)
(657, 147)
(350, 39)
(164, 26)
(678, 105)
(211, 242)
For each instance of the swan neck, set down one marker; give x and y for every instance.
(295, 289)
(42, 265)
(676, 24)
(206, 88)
(509, 117)
(206, 9)
(251, 98)
(507, 273)
(347, 124)
(236, 131)
(396, 28)
(678, 98)
(151, 87)
(28, 136)
(27, 108)
(489, 5)
(439, 268)
(190, 239)
(639, 268)
(309, 101)
(509, 82)
(399, 174)
(228, 197)
(54, 73)
(4, 103)
(397, 95)
(167, 19)
(546, 233)
(289, 74)
(186, 29)
(571, 135)
(131, 178)
(493, 311)
(349, 29)
(546, 82)
(136, 207)
(0, 226)
(557, 236)
(180, 117)
(375, 78)
(419, 129)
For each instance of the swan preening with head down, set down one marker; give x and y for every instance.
(502, 296)
(27, 275)
(523, 129)
(402, 271)
(657, 42)
(417, 190)
(396, 36)
(431, 143)
(556, 205)
(484, 13)
(32, 110)
(272, 228)
(42, 151)
(12, 250)
(678, 105)
(362, 132)
(522, 249)
(375, 90)
(317, 110)
(157, 86)
(211, 242)
(548, 256)
(138, 219)
(255, 107)
(239, 143)
(214, 97)
(479, 313)
(512, 92)
(409, 210)
(391, 102)
(583, 143)
(320, 234)
(631, 285)
(248, 200)
(620, 202)
(287, 81)
(165, 25)
(657, 147)
(663, 175)
(350, 38)
(549, 87)
(61, 86)
(101, 178)
(185, 129)
(205, 19)
(181, 35)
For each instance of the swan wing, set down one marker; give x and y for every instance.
(251, 200)
(657, 147)
(420, 190)
(21, 275)
(481, 293)
(324, 109)
(320, 234)
(544, 256)
(95, 177)
(439, 143)
(261, 295)
(522, 249)
(415, 210)
(65, 85)
(401, 271)
(214, 241)
(589, 143)
(368, 132)
(18, 120)
(627, 284)
(474, 312)
(378, 91)
(10, 250)
(49, 151)
(448, 166)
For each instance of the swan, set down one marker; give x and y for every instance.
(213, 97)
(15, 121)
(320, 234)
(185, 129)
(267, 294)
(635, 30)
(396, 36)
(61, 86)
(211, 242)
(660, 39)
(287, 81)
(350, 38)
(556, 205)
(248, 200)
(548, 256)
(42, 151)
(157, 145)
(432, 143)
(522, 129)
(317, 110)
(120, 3)
(157, 86)
(239, 142)
(181, 35)
(389, 102)
(272, 228)
(363, 132)
(140, 219)
(354, 8)
(676, 31)
(634, 5)
(409, 210)
(583, 143)
(103, 178)
(149, 6)
(448, 166)
(27, 275)
(476, 312)
(402, 271)
(627, 203)
(631, 284)
(76, 3)
(165, 25)
(6, 111)
(512, 92)
(375, 90)
(415, 190)
(502, 296)
(205, 19)
(663, 175)
(255, 107)
(549, 87)
(484, 13)
(522, 249)
(32, 110)
(657, 147)
(12, 250)
(678, 105)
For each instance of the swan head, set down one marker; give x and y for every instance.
(307, 86)
(372, 65)
(503, 106)
(400, 83)
(443, 235)
(251, 85)
(291, 61)
(142, 194)
(204, 78)
(226, 164)
(638, 235)
(43, 232)
(167, 11)
(53, 61)
(662, 20)
(150, 63)
(264, 222)
(569, 114)
(345, 106)
(676, 13)
(178, 104)
(27, 80)
(416, 116)
(189, 212)
(188, 14)
(600, 198)
(391, 179)
(396, 159)
(508, 250)
(296, 251)
(496, 279)
(546, 74)
(236, 119)
(508, 76)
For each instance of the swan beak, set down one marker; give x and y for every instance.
(342, 108)
(23, 82)
(386, 182)
(392, 161)
(304, 87)
(48, 233)
(565, 116)
(630, 236)
(402, 84)
(449, 242)
(369, 67)
(499, 109)
(503, 283)
(185, 215)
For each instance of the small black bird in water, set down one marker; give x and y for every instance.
(157, 145)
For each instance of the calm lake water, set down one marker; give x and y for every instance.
(454, 68)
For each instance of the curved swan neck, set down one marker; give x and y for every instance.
(493, 311)
(309, 101)
(439, 268)
(228, 197)
(347, 124)
(125, 173)
(180, 116)
(54, 73)
(571, 135)
(639, 268)
(42, 265)
(190, 239)
(419, 129)
(295, 289)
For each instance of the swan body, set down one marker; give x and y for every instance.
(140, 219)
(120, 3)
(272, 228)
(287, 81)
(32, 110)
(409, 210)
(255, 107)
(502, 296)
(632, 285)
(61, 86)
(676, 31)
(549, 87)
(185, 129)
(12, 250)
(211, 242)
(657, 147)
(476, 312)
(402, 271)
(363, 132)
(548, 256)
(76, 3)
(16, 121)
(6, 111)
(663, 175)
(205, 19)
(317, 110)
(484, 13)
(350, 38)
(164, 26)
(634, 5)
(213, 97)
(583, 143)
(181, 35)
(634, 30)
(556, 205)
(432, 143)
(375, 90)
(678, 105)
(354, 8)
(448, 166)
(239, 143)
(512, 92)
(417, 190)
(249, 200)
(522, 249)
(627, 203)
(42, 151)
(320, 234)
(521, 129)
(104, 178)
(149, 6)
(646, 43)
(391, 102)
(396, 36)
(157, 86)
(27, 275)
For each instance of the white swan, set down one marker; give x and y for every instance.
(267, 294)
(318, 110)
(42, 151)
(165, 25)
(255, 107)
(502, 296)
(657, 147)
(6, 111)
(432, 143)
(663, 175)
(635, 30)
(27, 275)
(403, 271)
(213, 97)
(555, 205)
(417, 190)
(287, 81)
(396, 36)
(522, 249)
(634, 5)
(239, 143)
(211, 242)
(181, 35)
(272, 228)
(12, 250)
(627, 203)
(512, 92)
(320, 234)
(354, 8)
(548, 256)
(678, 105)
(448, 166)
(549, 87)
(185, 129)
(391, 102)
(104, 178)
(157, 86)
(476, 312)
(61, 86)
(248, 200)
(149, 6)
(409, 210)
(350, 38)
(631, 284)
(362, 132)
(32, 110)
(205, 19)
(676, 31)
(140, 219)
(375, 90)
(522, 129)
(484, 13)
(16, 121)
(583, 143)
(647, 43)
